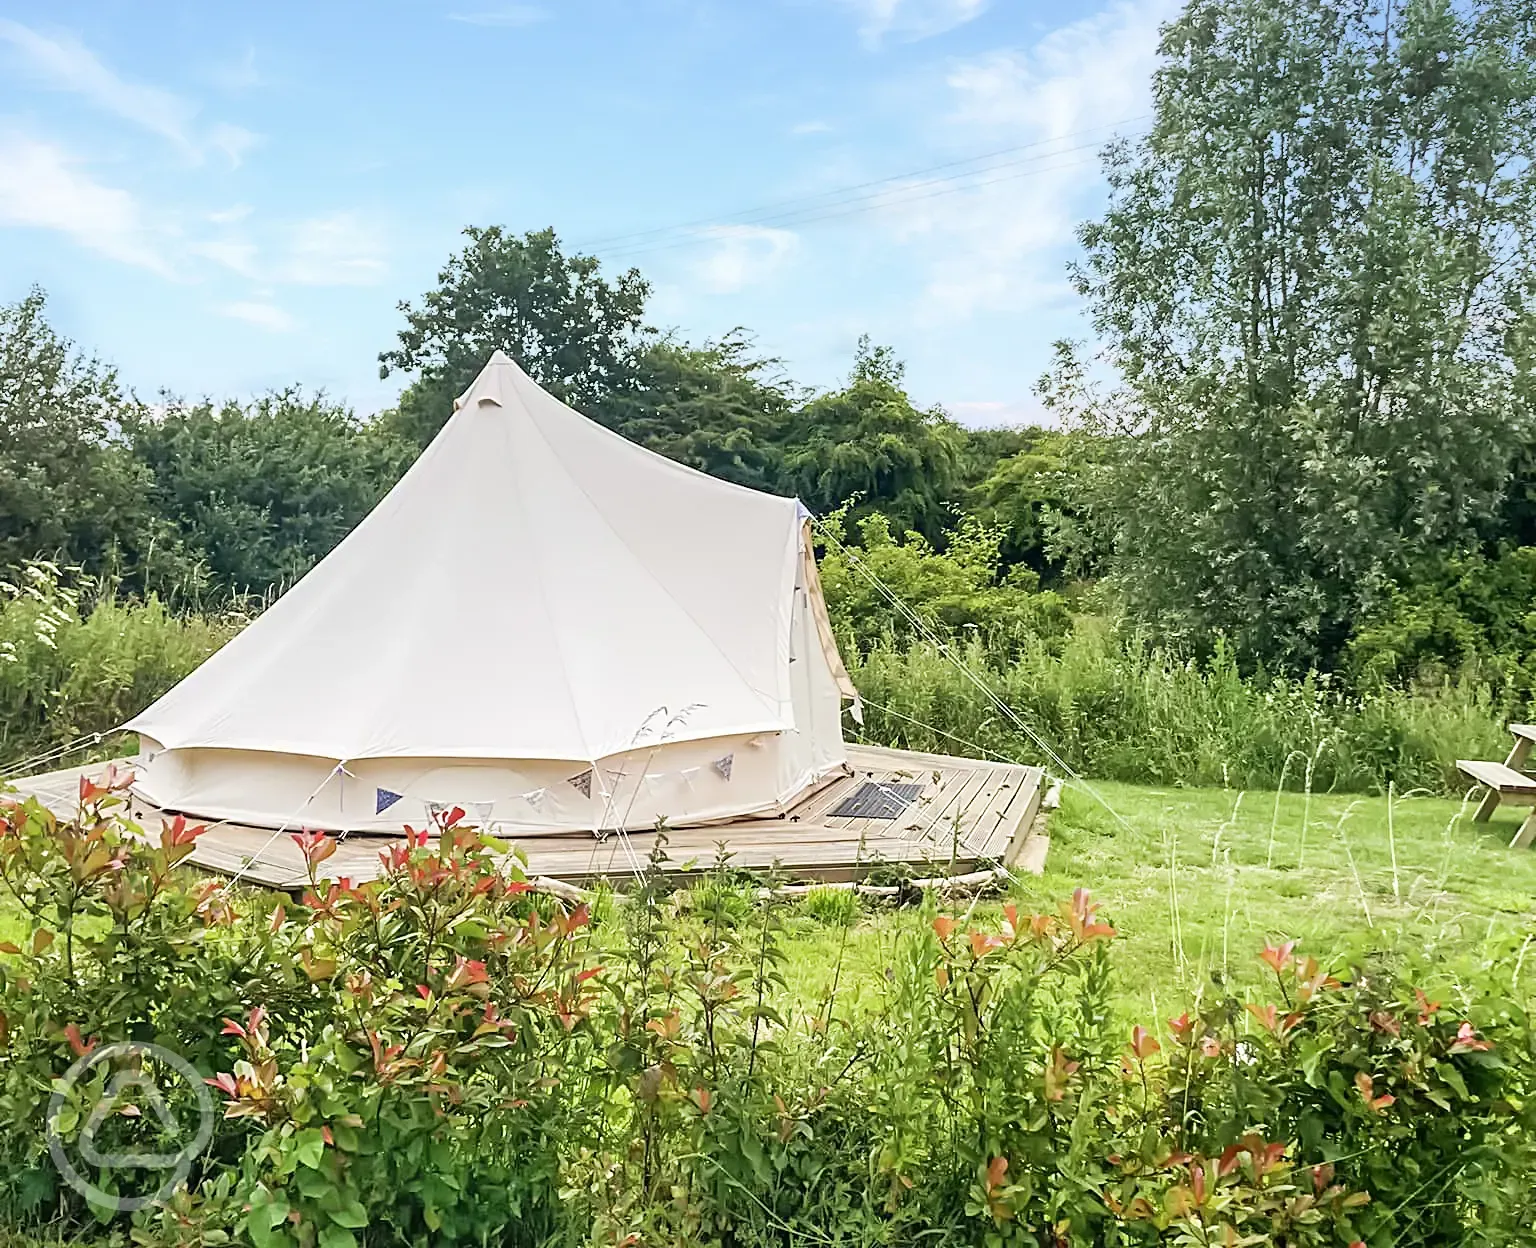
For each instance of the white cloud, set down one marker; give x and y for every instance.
(237, 255)
(1002, 242)
(68, 65)
(913, 19)
(811, 127)
(339, 249)
(510, 15)
(267, 316)
(742, 255)
(232, 141)
(234, 76)
(1092, 72)
(41, 187)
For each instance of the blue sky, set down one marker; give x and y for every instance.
(225, 199)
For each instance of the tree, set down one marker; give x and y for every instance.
(1315, 276)
(867, 443)
(1516, 522)
(70, 488)
(575, 332)
(1029, 497)
(262, 491)
(715, 408)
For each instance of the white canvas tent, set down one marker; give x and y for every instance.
(543, 623)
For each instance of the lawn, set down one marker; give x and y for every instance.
(1197, 880)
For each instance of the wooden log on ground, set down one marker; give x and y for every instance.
(560, 889)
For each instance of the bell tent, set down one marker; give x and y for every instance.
(543, 623)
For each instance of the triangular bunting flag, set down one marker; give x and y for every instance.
(383, 799)
(582, 783)
(536, 798)
(723, 765)
(482, 811)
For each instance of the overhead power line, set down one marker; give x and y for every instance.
(698, 237)
(878, 193)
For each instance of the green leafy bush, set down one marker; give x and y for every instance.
(445, 1055)
(961, 592)
(1476, 619)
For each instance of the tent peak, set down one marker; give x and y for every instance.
(490, 381)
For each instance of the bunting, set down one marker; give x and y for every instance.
(607, 784)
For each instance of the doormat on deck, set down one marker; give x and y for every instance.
(877, 801)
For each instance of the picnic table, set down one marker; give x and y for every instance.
(1508, 781)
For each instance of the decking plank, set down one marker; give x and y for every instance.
(931, 804)
(1025, 834)
(948, 823)
(806, 842)
(996, 826)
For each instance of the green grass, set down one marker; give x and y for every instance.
(1197, 880)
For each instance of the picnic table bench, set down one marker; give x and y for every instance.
(1507, 782)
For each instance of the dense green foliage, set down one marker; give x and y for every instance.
(867, 445)
(258, 493)
(443, 1055)
(715, 408)
(1317, 283)
(1476, 616)
(1127, 710)
(69, 486)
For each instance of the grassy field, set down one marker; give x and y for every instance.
(1196, 880)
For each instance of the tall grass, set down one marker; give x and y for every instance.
(1125, 710)
(68, 669)
(75, 660)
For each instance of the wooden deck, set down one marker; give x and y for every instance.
(968, 813)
